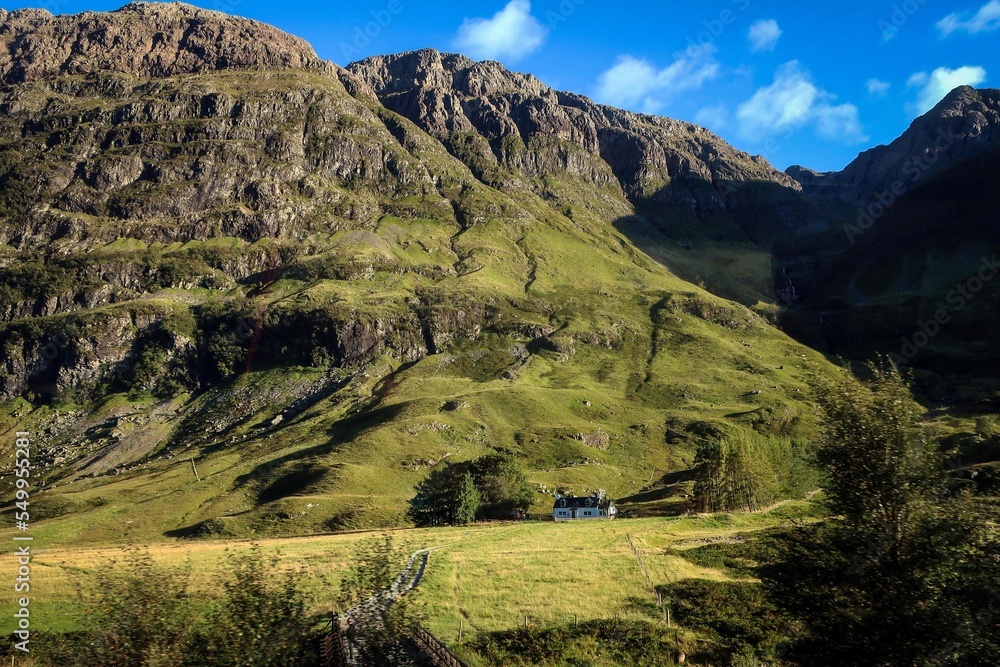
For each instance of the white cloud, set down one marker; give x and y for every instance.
(764, 35)
(792, 102)
(635, 83)
(511, 34)
(877, 87)
(984, 20)
(934, 86)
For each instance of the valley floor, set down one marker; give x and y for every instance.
(489, 576)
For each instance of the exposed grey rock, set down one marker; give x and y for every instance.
(534, 129)
(146, 39)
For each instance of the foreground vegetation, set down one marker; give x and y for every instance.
(488, 575)
(139, 612)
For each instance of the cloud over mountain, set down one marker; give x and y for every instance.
(510, 34)
(793, 101)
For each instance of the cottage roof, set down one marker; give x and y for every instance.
(576, 502)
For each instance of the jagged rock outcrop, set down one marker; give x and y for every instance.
(963, 124)
(531, 128)
(145, 39)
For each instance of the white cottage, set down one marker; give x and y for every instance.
(571, 508)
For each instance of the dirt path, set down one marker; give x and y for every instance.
(369, 615)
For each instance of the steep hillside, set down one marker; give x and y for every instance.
(709, 212)
(911, 272)
(934, 250)
(241, 296)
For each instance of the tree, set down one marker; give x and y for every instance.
(734, 473)
(503, 487)
(466, 500)
(140, 615)
(906, 574)
(437, 497)
(491, 486)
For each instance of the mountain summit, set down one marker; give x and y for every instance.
(146, 39)
(963, 124)
(533, 130)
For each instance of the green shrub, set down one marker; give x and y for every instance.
(140, 614)
(261, 620)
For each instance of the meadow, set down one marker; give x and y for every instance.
(482, 577)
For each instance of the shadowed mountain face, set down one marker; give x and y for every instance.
(965, 123)
(322, 282)
(919, 283)
(920, 225)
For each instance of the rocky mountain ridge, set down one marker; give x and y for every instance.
(144, 39)
(963, 124)
(517, 115)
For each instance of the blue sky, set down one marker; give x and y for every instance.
(800, 83)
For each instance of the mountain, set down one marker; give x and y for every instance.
(964, 123)
(916, 227)
(687, 198)
(535, 131)
(933, 251)
(248, 291)
(144, 39)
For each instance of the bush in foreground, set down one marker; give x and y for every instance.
(607, 642)
(140, 614)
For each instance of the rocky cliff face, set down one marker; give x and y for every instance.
(963, 124)
(146, 39)
(534, 130)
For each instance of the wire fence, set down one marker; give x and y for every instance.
(649, 580)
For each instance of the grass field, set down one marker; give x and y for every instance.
(491, 576)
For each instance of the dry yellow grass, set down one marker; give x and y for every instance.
(490, 576)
